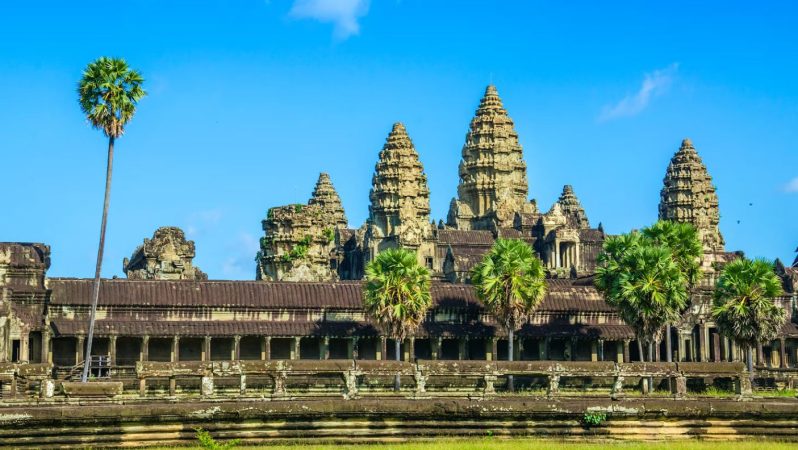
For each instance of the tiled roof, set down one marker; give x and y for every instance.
(789, 329)
(610, 332)
(465, 237)
(241, 294)
(562, 294)
(511, 233)
(591, 234)
(69, 327)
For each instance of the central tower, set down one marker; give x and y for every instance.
(493, 184)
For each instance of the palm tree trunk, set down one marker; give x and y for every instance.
(98, 268)
(640, 350)
(397, 384)
(651, 351)
(510, 381)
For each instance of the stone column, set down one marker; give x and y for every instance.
(295, 348)
(681, 347)
(24, 347)
(324, 351)
(112, 350)
(144, 353)
(569, 349)
(735, 351)
(382, 348)
(760, 355)
(351, 346)
(703, 339)
(175, 349)
(594, 351)
(783, 353)
(79, 348)
(557, 262)
(410, 349)
(206, 349)
(619, 351)
(578, 259)
(47, 355)
(716, 347)
(657, 356)
(494, 348)
(461, 348)
(626, 351)
(435, 347)
(542, 349)
(236, 356)
(265, 348)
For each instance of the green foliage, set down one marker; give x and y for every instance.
(108, 94)
(510, 281)
(684, 244)
(298, 207)
(397, 292)
(714, 391)
(643, 279)
(743, 305)
(782, 393)
(207, 441)
(593, 418)
(298, 251)
(329, 234)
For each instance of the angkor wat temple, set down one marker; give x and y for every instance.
(306, 302)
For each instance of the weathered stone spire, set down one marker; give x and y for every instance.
(689, 196)
(327, 198)
(572, 208)
(492, 171)
(167, 256)
(399, 193)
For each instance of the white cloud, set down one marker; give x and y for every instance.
(241, 265)
(343, 14)
(654, 83)
(791, 186)
(201, 221)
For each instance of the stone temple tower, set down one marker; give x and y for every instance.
(688, 195)
(327, 198)
(399, 212)
(572, 208)
(493, 184)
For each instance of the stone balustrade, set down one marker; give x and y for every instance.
(297, 379)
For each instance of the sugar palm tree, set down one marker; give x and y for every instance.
(743, 305)
(397, 294)
(108, 94)
(644, 282)
(686, 250)
(510, 282)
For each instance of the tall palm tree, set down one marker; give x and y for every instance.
(510, 282)
(397, 294)
(108, 94)
(644, 282)
(743, 305)
(686, 250)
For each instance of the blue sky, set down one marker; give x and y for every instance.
(250, 100)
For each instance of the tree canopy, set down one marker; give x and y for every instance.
(510, 281)
(743, 304)
(108, 94)
(642, 279)
(397, 292)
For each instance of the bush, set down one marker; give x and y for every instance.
(593, 419)
(207, 441)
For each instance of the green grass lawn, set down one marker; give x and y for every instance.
(536, 444)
